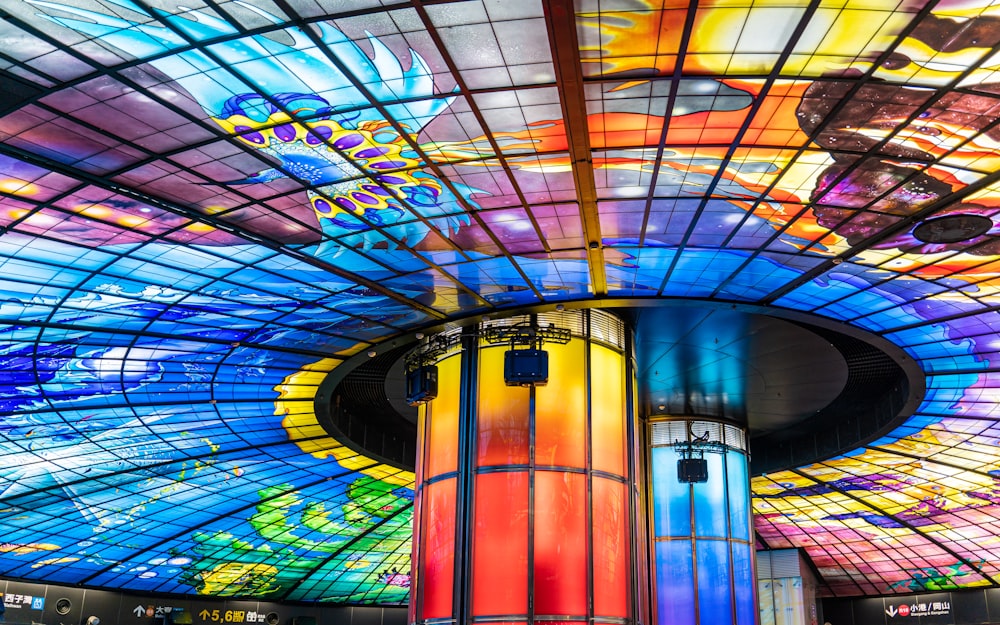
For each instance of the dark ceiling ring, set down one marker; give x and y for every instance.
(883, 388)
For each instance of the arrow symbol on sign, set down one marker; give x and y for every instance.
(892, 611)
(139, 610)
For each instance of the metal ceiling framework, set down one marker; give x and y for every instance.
(207, 206)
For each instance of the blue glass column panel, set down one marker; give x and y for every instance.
(675, 591)
(739, 507)
(671, 507)
(715, 584)
(743, 568)
(710, 499)
(703, 556)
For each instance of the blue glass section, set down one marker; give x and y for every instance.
(738, 487)
(675, 583)
(710, 500)
(744, 582)
(715, 604)
(673, 364)
(718, 542)
(671, 499)
(761, 274)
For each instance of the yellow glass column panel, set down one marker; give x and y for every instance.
(502, 429)
(442, 420)
(561, 408)
(607, 418)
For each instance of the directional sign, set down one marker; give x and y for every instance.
(930, 608)
(230, 616)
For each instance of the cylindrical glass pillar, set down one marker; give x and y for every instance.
(702, 547)
(524, 502)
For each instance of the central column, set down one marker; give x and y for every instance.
(525, 492)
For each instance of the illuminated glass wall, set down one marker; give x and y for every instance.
(205, 205)
(523, 504)
(702, 551)
(786, 589)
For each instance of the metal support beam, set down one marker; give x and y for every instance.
(561, 21)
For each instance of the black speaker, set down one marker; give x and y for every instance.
(421, 385)
(692, 470)
(526, 367)
(63, 606)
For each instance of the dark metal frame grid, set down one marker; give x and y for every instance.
(561, 22)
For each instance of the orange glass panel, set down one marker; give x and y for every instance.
(437, 566)
(415, 544)
(560, 543)
(611, 552)
(411, 606)
(418, 472)
(442, 415)
(561, 409)
(500, 547)
(607, 413)
(503, 414)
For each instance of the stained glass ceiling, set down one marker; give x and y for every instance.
(207, 205)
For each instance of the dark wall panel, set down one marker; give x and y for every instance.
(104, 604)
(838, 611)
(25, 603)
(993, 603)
(63, 605)
(969, 607)
(869, 611)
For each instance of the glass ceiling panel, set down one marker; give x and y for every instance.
(206, 206)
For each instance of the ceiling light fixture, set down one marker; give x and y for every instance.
(952, 228)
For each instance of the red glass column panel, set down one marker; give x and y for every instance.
(437, 563)
(415, 550)
(560, 587)
(611, 548)
(546, 527)
(502, 431)
(500, 546)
